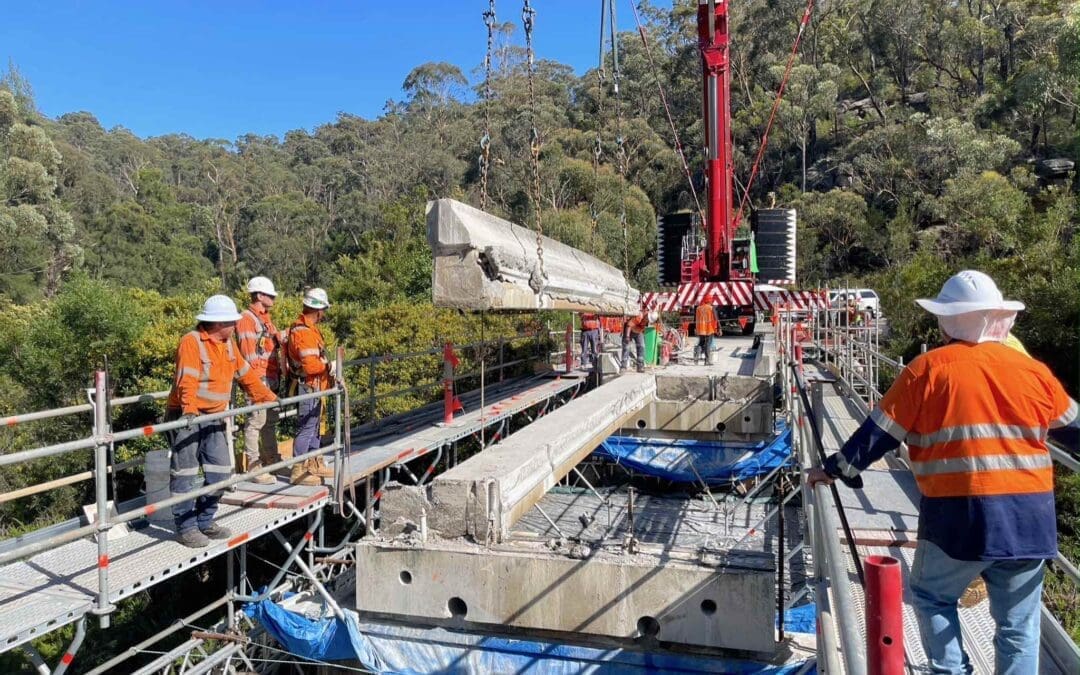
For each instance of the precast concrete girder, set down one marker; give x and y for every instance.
(484, 496)
(484, 262)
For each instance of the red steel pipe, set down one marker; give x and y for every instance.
(884, 616)
(450, 361)
(569, 346)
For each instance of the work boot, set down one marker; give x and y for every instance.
(641, 368)
(215, 531)
(264, 479)
(320, 469)
(300, 475)
(193, 538)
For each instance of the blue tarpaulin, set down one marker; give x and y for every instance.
(683, 461)
(325, 639)
(403, 650)
(801, 619)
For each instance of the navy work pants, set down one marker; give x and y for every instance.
(199, 445)
(307, 435)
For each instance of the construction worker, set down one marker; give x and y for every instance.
(260, 344)
(309, 362)
(975, 415)
(206, 365)
(706, 325)
(634, 331)
(590, 340)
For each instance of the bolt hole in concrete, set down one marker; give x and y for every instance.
(648, 626)
(641, 424)
(746, 418)
(406, 577)
(721, 427)
(708, 607)
(458, 608)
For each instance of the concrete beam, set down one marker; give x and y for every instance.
(484, 262)
(704, 419)
(484, 496)
(664, 593)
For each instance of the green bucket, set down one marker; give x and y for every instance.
(652, 346)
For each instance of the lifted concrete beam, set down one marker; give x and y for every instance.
(484, 262)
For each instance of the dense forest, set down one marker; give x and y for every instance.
(914, 138)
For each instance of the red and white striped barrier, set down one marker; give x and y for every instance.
(731, 293)
(765, 301)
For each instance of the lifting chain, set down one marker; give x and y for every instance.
(620, 141)
(528, 17)
(485, 140)
(598, 147)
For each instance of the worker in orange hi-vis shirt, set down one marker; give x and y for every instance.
(706, 326)
(206, 365)
(309, 362)
(975, 415)
(260, 343)
(634, 331)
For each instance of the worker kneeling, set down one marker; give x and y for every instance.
(206, 365)
(309, 363)
(975, 415)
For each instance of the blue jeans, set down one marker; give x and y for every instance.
(1015, 593)
(638, 339)
(202, 445)
(590, 347)
(310, 413)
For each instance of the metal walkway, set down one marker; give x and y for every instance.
(412, 435)
(60, 586)
(884, 520)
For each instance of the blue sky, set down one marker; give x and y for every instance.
(227, 67)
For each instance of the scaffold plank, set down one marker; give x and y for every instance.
(423, 433)
(57, 587)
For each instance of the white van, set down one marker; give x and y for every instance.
(866, 299)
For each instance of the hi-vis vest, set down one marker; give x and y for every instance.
(215, 380)
(975, 419)
(305, 342)
(705, 320)
(262, 344)
(590, 322)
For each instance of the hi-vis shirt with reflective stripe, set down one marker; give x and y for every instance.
(259, 340)
(205, 370)
(975, 419)
(306, 352)
(705, 322)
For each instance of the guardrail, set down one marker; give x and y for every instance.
(853, 354)
(102, 439)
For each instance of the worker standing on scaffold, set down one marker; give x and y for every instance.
(590, 340)
(310, 364)
(260, 342)
(975, 415)
(206, 365)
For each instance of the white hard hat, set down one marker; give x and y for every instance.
(316, 298)
(218, 309)
(261, 285)
(969, 291)
(653, 316)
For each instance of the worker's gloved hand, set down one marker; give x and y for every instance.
(188, 418)
(332, 369)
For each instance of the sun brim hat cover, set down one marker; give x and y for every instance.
(969, 291)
